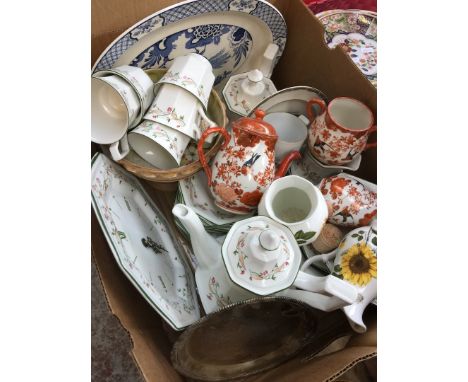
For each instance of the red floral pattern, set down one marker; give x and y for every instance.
(251, 198)
(243, 170)
(350, 203)
(333, 145)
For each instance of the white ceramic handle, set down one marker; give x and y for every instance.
(208, 121)
(114, 148)
(315, 300)
(205, 118)
(328, 284)
(325, 258)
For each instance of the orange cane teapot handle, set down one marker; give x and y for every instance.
(201, 153)
(310, 110)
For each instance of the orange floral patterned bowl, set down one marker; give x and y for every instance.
(350, 202)
(142, 169)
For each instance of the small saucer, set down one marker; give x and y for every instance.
(314, 170)
(351, 166)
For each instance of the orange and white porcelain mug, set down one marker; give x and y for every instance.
(340, 132)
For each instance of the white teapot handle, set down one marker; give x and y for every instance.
(315, 300)
(327, 284)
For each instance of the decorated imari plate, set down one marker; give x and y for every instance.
(356, 32)
(231, 34)
(143, 245)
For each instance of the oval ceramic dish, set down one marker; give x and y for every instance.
(231, 34)
(142, 169)
(144, 246)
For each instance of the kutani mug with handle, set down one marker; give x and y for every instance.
(340, 132)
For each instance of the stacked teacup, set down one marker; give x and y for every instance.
(177, 113)
(119, 99)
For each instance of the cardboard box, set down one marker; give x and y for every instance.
(305, 61)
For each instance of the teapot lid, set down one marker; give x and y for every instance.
(256, 126)
(261, 255)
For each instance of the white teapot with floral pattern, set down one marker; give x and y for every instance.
(355, 261)
(258, 257)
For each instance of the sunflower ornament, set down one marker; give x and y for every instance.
(356, 260)
(359, 264)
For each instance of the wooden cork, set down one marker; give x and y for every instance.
(329, 239)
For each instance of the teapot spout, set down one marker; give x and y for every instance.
(286, 162)
(355, 311)
(206, 249)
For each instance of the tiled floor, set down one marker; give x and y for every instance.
(111, 359)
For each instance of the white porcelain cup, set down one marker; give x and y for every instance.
(297, 204)
(291, 130)
(114, 110)
(175, 107)
(194, 73)
(141, 83)
(158, 144)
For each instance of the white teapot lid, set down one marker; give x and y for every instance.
(246, 90)
(261, 255)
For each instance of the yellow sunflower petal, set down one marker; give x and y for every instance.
(356, 278)
(365, 278)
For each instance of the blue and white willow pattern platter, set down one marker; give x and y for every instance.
(231, 34)
(142, 243)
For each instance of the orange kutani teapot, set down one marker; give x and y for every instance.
(244, 167)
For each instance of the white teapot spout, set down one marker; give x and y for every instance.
(354, 311)
(206, 249)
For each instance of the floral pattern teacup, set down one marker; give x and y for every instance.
(177, 108)
(192, 72)
(159, 145)
(340, 132)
